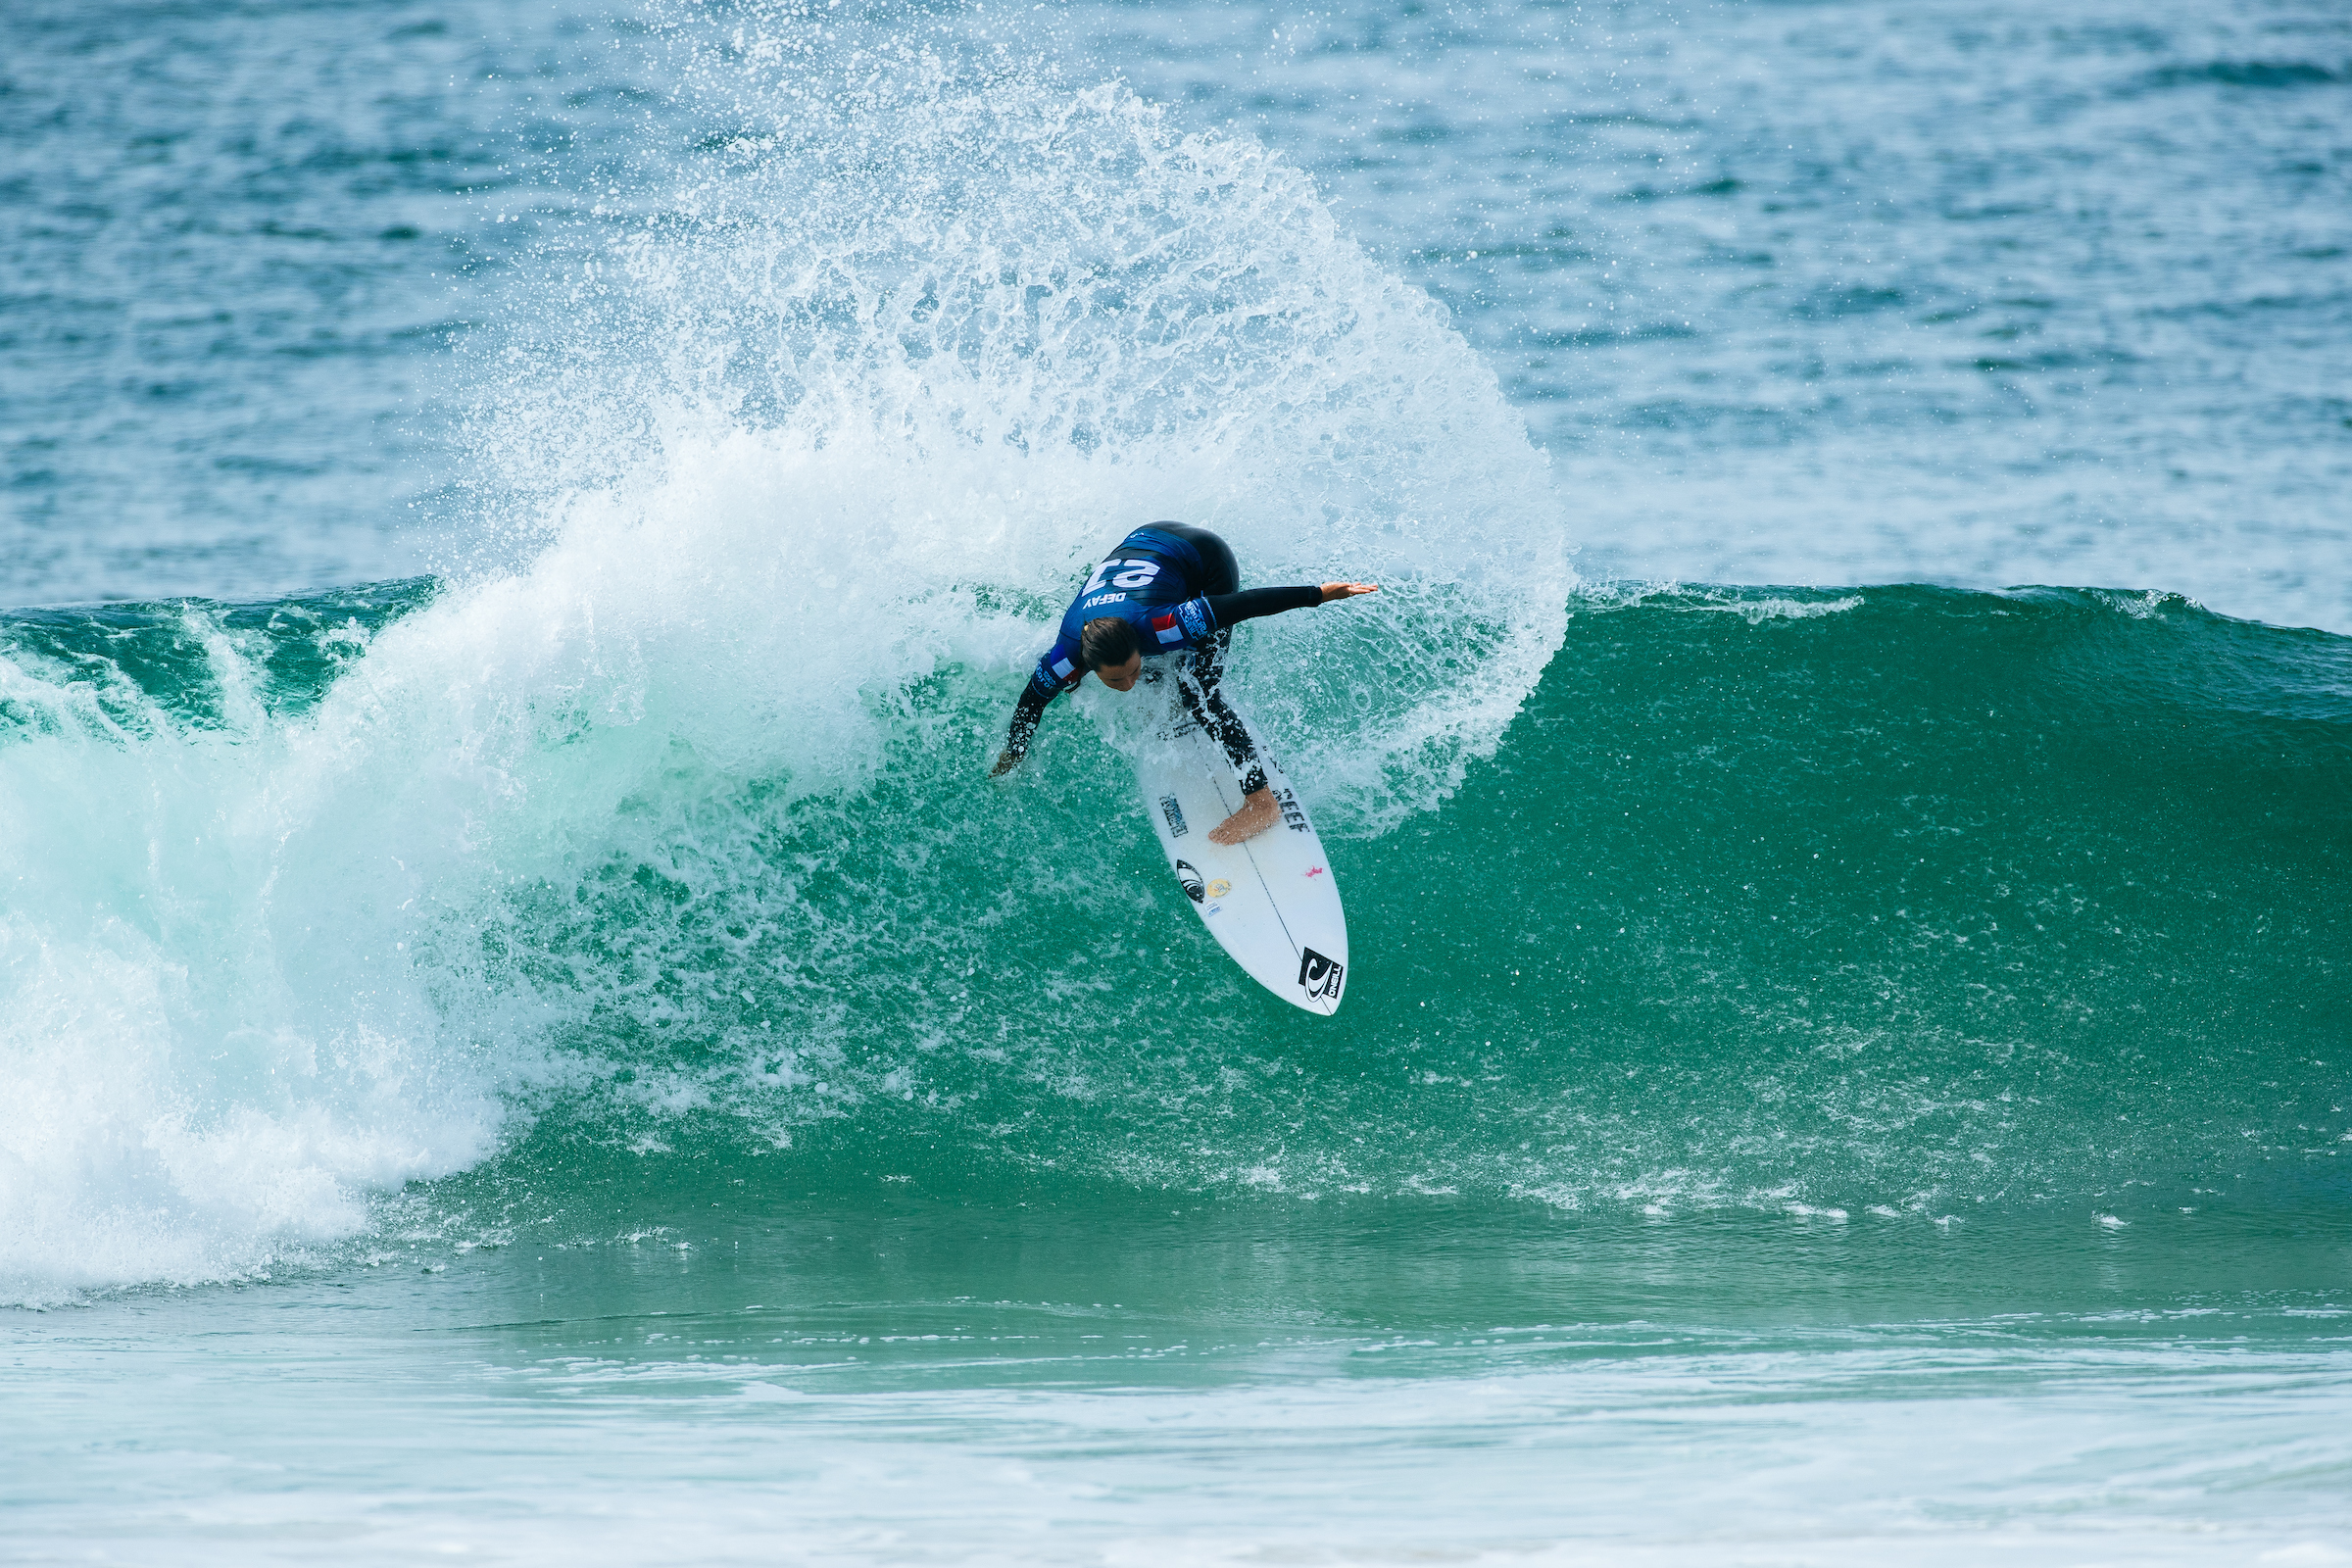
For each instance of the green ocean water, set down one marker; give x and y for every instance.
(1900, 901)
(1835, 1039)
(1902, 898)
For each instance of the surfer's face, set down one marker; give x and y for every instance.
(1121, 677)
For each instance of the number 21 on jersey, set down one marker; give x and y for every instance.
(1139, 575)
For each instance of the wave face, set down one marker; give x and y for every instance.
(668, 807)
(1901, 899)
(661, 825)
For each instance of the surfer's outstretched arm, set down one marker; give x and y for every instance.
(1025, 720)
(1252, 602)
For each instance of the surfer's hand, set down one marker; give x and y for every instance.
(1348, 590)
(1258, 813)
(1006, 762)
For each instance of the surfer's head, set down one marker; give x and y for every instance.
(1108, 647)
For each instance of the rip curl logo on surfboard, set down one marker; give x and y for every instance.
(1319, 976)
(1193, 888)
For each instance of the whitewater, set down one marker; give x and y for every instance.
(527, 1028)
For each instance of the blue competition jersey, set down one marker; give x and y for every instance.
(1146, 582)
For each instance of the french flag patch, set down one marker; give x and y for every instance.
(1062, 669)
(1165, 628)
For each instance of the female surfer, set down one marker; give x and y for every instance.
(1168, 588)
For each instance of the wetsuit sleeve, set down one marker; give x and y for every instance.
(1046, 683)
(1025, 720)
(1252, 602)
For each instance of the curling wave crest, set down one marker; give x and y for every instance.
(650, 801)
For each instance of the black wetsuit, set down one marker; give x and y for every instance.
(1180, 589)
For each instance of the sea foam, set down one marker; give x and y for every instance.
(780, 487)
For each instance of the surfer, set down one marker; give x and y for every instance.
(1168, 588)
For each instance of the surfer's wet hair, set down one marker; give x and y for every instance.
(1106, 643)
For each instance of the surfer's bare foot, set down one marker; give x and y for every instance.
(1258, 813)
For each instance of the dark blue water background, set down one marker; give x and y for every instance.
(1808, 293)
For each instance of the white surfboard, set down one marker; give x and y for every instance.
(1270, 900)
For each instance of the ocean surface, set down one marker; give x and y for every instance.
(526, 1034)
